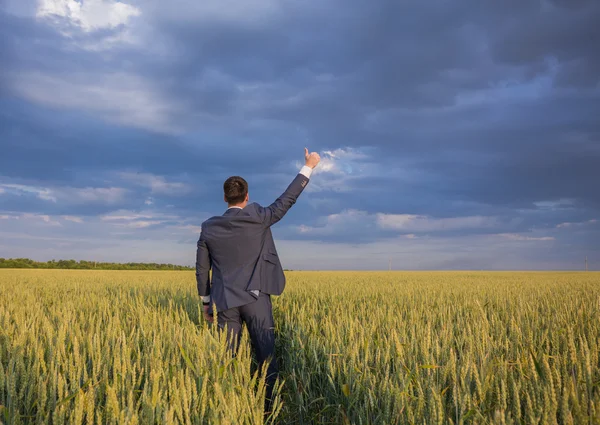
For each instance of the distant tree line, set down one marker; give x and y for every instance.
(26, 263)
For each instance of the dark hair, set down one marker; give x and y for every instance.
(236, 189)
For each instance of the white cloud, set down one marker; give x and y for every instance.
(124, 216)
(191, 228)
(557, 204)
(38, 217)
(519, 237)
(117, 97)
(89, 15)
(352, 220)
(88, 195)
(175, 225)
(335, 223)
(341, 161)
(157, 184)
(417, 223)
(339, 168)
(74, 219)
(575, 224)
(107, 195)
(140, 224)
(20, 189)
(139, 220)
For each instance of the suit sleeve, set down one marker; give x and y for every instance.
(275, 212)
(203, 265)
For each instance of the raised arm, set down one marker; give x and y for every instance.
(275, 212)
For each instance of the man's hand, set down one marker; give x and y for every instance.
(207, 310)
(312, 159)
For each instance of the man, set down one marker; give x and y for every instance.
(246, 271)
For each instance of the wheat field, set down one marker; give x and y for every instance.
(85, 347)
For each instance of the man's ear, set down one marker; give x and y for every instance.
(225, 198)
(247, 197)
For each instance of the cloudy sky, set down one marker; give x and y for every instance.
(459, 134)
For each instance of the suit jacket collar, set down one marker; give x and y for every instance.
(232, 212)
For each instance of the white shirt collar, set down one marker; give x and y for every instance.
(234, 207)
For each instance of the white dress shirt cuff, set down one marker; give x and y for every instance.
(205, 298)
(306, 171)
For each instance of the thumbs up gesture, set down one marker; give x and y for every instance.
(311, 159)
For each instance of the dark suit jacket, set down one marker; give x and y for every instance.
(239, 248)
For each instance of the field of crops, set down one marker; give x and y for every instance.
(354, 348)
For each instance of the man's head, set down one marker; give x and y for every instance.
(235, 189)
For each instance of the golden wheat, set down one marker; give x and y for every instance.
(86, 347)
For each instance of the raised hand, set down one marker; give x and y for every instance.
(311, 159)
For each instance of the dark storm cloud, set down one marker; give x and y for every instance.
(459, 109)
(53, 145)
(508, 149)
(564, 30)
(400, 56)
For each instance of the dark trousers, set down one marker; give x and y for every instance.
(258, 317)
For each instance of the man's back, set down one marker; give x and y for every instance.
(244, 257)
(240, 249)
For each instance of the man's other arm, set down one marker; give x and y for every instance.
(275, 212)
(203, 264)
